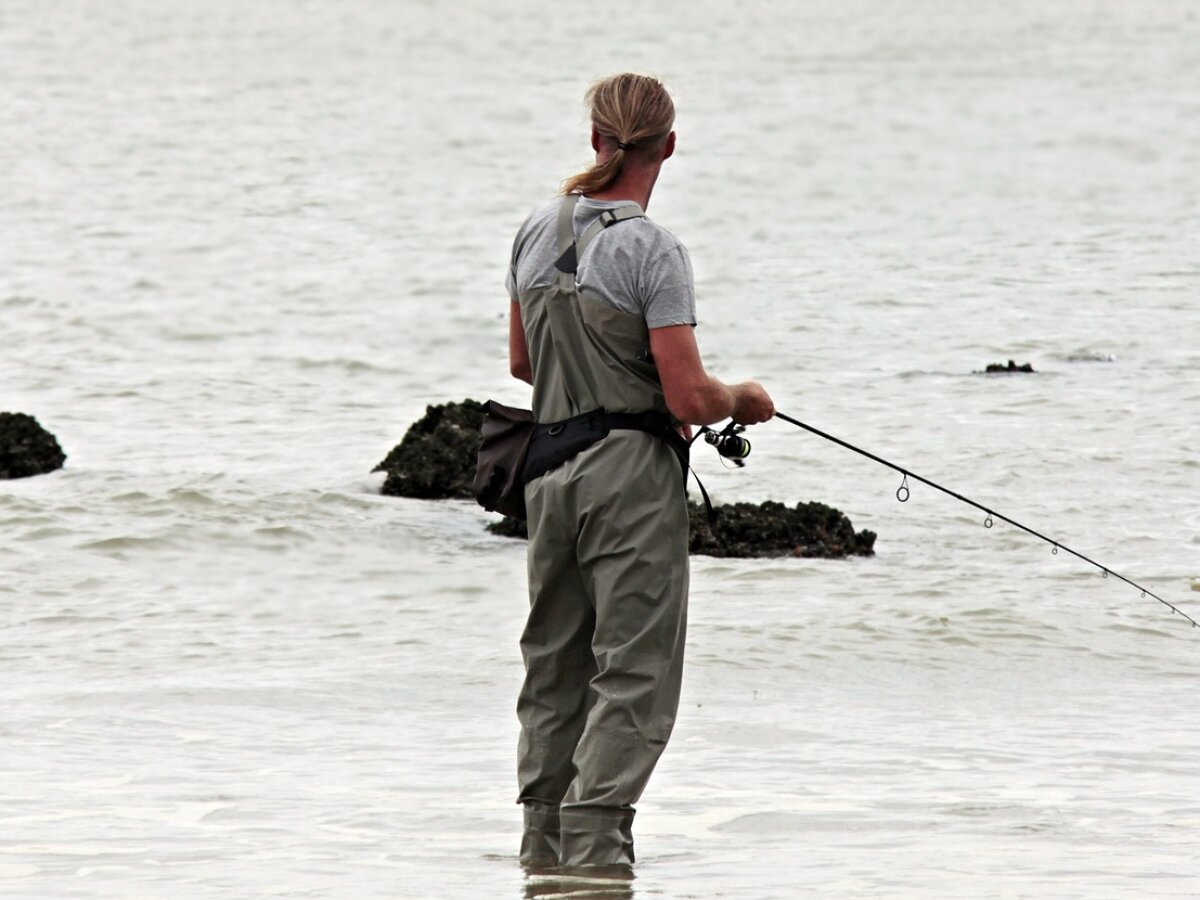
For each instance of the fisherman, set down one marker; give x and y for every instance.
(601, 325)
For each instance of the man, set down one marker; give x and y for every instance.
(601, 324)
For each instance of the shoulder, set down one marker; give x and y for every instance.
(537, 228)
(542, 213)
(658, 247)
(650, 238)
(656, 234)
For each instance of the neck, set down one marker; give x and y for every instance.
(635, 183)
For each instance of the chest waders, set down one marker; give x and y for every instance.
(608, 574)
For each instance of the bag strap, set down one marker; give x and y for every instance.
(708, 507)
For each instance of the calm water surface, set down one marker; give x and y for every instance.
(244, 244)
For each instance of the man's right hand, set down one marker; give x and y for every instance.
(751, 403)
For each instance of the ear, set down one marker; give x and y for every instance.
(595, 139)
(669, 150)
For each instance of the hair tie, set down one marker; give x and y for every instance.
(624, 145)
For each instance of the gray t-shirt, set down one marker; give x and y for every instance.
(636, 265)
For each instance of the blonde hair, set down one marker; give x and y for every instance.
(632, 112)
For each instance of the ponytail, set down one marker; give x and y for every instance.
(631, 113)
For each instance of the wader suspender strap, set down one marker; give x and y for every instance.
(568, 259)
(569, 250)
(571, 339)
(607, 218)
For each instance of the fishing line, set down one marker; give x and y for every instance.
(903, 493)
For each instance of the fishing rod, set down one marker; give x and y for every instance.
(731, 445)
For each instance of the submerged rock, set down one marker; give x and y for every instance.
(26, 448)
(759, 530)
(436, 458)
(994, 368)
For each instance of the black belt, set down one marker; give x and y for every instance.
(556, 442)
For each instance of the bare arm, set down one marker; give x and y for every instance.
(692, 394)
(518, 352)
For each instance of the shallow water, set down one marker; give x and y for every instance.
(245, 244)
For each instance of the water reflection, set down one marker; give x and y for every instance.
(579, 883)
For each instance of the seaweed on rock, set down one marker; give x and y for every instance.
(436, 458)
(773, 529)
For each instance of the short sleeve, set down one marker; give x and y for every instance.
(669, 290)
(510, 281)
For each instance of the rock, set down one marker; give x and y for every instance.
(759, 530)
(510, 527)
(436, 458)
(772, 529)
(26, 448)
(994, 368)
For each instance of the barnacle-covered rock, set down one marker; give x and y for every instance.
(773, 529)
(436, 458)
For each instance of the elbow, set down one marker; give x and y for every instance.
(521, 370)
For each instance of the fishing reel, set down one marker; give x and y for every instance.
(729, 442)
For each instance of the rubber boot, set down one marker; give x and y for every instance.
(540, 839)
(595, 836)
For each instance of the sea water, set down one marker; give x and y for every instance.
(245, 244)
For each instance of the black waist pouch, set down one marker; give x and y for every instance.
(499, 485)
(554, 444)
